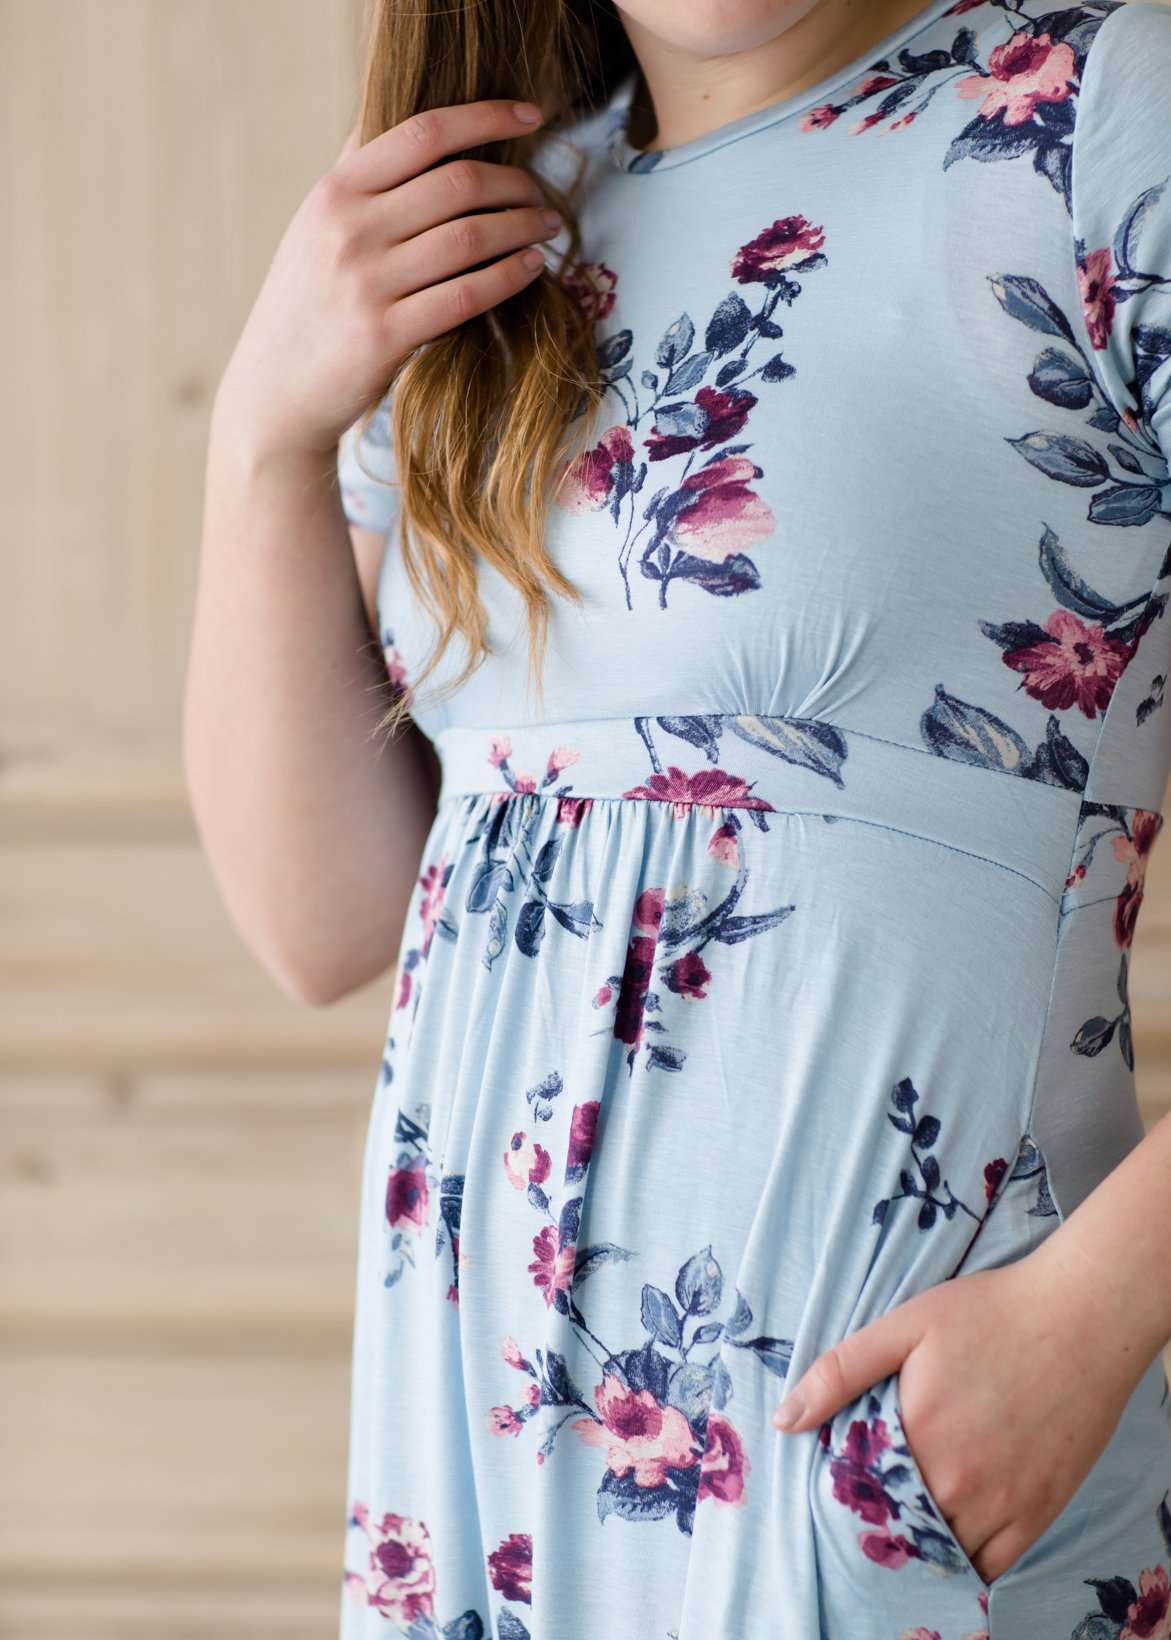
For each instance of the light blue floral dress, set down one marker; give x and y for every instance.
(775, 970)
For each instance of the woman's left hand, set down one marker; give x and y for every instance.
(1010, 1389)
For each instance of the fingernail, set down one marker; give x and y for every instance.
(789, 1412)
(528, 112)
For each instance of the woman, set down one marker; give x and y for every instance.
(768, 969)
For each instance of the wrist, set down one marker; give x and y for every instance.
(1117, 1304)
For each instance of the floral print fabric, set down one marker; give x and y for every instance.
(778, 968)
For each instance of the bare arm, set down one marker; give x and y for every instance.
(313, 828)
(313, 825)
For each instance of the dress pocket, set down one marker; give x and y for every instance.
(922, 1516)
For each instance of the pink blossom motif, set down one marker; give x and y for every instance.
(688, 975)
(526, 1162)
(552, 1269)
(854, 1469)
(499, 750)
(1023, 73)
(407, 1196)
(593, 283)
(399, 1581)
(919, 1633)
(724, 1463)
(640, 1436)
(724, 845)
(433, 882)
(818, 118)
(1072, 664)
(588, 481)
(561, 757)
(510, 1567)
(725, 410)
(1095, 279)
(571, 811)
(708, 790)
(887, 1549)
(513, 1354)
(788, 245)
(504, 1421)
(603, 995)
(1149, 1617)
(397, 673)
(1134, 851)
(725, 516)
(582, 1133)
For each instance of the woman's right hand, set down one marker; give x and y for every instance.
(380, 257)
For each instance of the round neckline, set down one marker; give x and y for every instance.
(641, 161)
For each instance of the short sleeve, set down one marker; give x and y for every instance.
(1121, 212)
(366, 472)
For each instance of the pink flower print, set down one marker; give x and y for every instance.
(499, 750)
(593, 283)
(561, 757)
(602, 995)
(919, 1633)
(636, 973)
(726, 516)
(582, 1132)
(1149, 1617)
(885, 1549)
(818, 118)
(724, 1463)
(407, 1196)
(708, 790)
(396, 671)
(1134, 851)
(639, 1435)
(511, 1567)
(552, 1269)
(1095, 278)
(433, 882)
(1074, 664)
(787, 245)
(504, 1421)
(400, 1578)
(571, 811)
(513, 1354)
(1022, 72)
(854, 1481)
(587, 481)
(724, 845)
(688, 975)
(724, 413)
(526, 1162)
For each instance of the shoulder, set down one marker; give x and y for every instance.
(1127, 55)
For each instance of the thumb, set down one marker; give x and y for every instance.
(841, 1373)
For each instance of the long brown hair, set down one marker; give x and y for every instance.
(481, 416)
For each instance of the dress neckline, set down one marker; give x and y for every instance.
(625, 157)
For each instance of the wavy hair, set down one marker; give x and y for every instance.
(481, 417)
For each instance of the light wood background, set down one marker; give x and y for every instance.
(180, 1144)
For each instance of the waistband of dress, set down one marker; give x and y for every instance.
(761, 765)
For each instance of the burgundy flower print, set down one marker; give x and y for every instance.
(398, 1578)
(410, 1187)
(593, 284)
(1125, 1612)
(702, 526)
(1068, 662)
(510, 1566)
(873, 1476)
(1131, 833)
(1026, 93)
(658, 1411)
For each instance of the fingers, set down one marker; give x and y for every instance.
(455, 189)
(416, 144)
(847, 1369)
(437, 308)
(461, 245)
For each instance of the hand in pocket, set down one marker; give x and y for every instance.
(1009, 1394)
